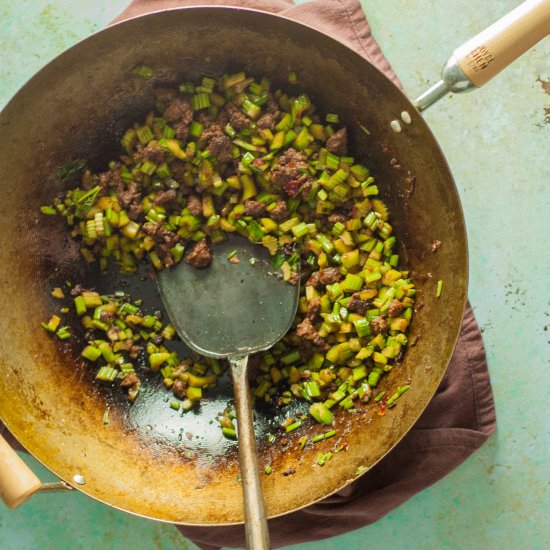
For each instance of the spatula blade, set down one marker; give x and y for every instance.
(229, 309)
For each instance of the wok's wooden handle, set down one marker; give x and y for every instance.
(486, 54)
(255, 521)
(490, 51)
(17, 481)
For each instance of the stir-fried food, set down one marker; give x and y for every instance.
(234, 156)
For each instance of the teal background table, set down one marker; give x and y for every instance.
(497, 142)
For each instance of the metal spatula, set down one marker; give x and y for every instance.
(230, 310)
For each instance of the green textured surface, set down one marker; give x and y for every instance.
(497, 143)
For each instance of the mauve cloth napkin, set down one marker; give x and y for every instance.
(460, 417)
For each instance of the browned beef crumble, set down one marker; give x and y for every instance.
(179, 389)
(164, 241)
(357, 305)
(179, 114)
(194, 205)
(313, 309)
(178, 169)
(378, 325)
(306, 331)
(266, 122)
(395, 308)
(291, 166)
(232, 115)
(280, 212)
(129, 380)
(256, 209)
(337, 217)
(323, 277)
(218, 142)
(338, 142)
(152, 153)
(166, 197)
(130, 198)
(200, 256)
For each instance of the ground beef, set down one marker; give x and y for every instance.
(179, 389)
(324, 277)
(272, 106)
(232, 115)
(130, 380)
(205, 119)
(395, 308)
(178, 169)
(200, 256)
(165, 95)
(306, 184)
(194, 204)
(338, 142)
(266, 122)
(280, 212)
(130, 198)
(77, 290)
(256, 209)
(152, 153)
(329, 276)
(166, 197)
(164, 241)
(180, 114)
(221, 147)
(105, 180)
(306, 331)
(106, 315)
(218, 142)
(313, 309)
(134, 352)
(378, 325)
(337, 217)
(357, 305)
(289, 168)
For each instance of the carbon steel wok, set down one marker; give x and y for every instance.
(150, 460)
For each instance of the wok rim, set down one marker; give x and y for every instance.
(425, 129)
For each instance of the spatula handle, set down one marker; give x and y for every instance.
(255, 521)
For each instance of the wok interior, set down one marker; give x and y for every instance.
(77, 107)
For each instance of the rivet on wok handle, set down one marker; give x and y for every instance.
(486, 54)
(79, 479)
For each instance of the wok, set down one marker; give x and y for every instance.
(150, 460)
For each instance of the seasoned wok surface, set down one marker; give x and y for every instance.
(85, 96)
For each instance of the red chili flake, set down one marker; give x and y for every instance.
(382, 409)
(345, 447)
(291, 188)
(258, 162)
